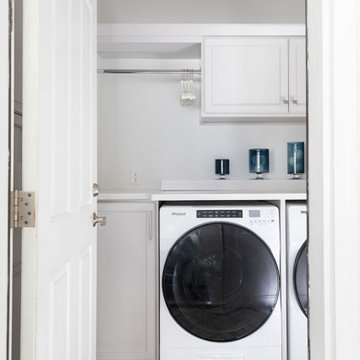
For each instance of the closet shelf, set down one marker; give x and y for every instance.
(149, 71)
(175, 41)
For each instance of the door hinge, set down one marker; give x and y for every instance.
(22, 209)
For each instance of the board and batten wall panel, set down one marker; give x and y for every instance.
(143, 128)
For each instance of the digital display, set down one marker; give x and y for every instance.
(219, 214)
(254, 213)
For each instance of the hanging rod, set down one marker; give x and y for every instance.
(144, 71)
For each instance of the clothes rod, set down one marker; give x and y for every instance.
(143, 71)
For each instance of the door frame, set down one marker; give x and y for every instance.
(4, 173)
(333, 93)
(333, 183)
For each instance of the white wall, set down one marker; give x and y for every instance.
(201, 11)
(142, 127)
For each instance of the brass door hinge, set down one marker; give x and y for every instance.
(22, 209)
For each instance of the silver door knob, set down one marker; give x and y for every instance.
(96, 190)
(98, 220)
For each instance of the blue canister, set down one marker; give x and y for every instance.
(259, 162)
(222, 167)
(295, 158)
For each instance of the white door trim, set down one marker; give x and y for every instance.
(334, 187)
(333, 190)
(4, 127)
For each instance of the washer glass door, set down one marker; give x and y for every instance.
(301, 277)
(220, 282)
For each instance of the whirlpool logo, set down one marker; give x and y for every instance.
(178, 214)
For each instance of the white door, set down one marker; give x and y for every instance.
(59, 164)
(245, 75)
(297, 75)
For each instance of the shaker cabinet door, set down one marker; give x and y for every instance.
(245, 75)
(127, 282)
(297, 75)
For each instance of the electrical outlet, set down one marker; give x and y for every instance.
(135, 177)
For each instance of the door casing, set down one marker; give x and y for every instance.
(333, 183)
(325, 181)
(5, 116)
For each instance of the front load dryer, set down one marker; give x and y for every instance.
(219, 276)
(297, 278)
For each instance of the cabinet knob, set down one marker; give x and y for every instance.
(285, 101)
(294, 101)
(98, 220)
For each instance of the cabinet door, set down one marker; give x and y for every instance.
(297, 75)
(126, 319)
(245, 75)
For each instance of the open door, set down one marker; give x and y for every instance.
(59, 165)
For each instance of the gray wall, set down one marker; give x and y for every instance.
(201, 11)
(18, 51)
(16, 315)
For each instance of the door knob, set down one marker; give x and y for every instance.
(98, 220)
(96, 190)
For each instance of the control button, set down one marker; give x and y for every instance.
(222, 213)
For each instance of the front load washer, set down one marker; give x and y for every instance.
(219, 276)
(297, 278)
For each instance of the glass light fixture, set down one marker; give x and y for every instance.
(295, 159)
(222, 168)
(259, 162)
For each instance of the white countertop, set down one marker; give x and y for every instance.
(201, 196)
(224, 195)
(123, 196)
(205, 190)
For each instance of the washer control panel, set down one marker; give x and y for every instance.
(219, 213)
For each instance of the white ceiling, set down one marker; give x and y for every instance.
(201, 11)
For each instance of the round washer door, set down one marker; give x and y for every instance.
(220, 282)
(301, 277)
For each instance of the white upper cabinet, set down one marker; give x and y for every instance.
(250, 76)
(297, 75)
(245, 75)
